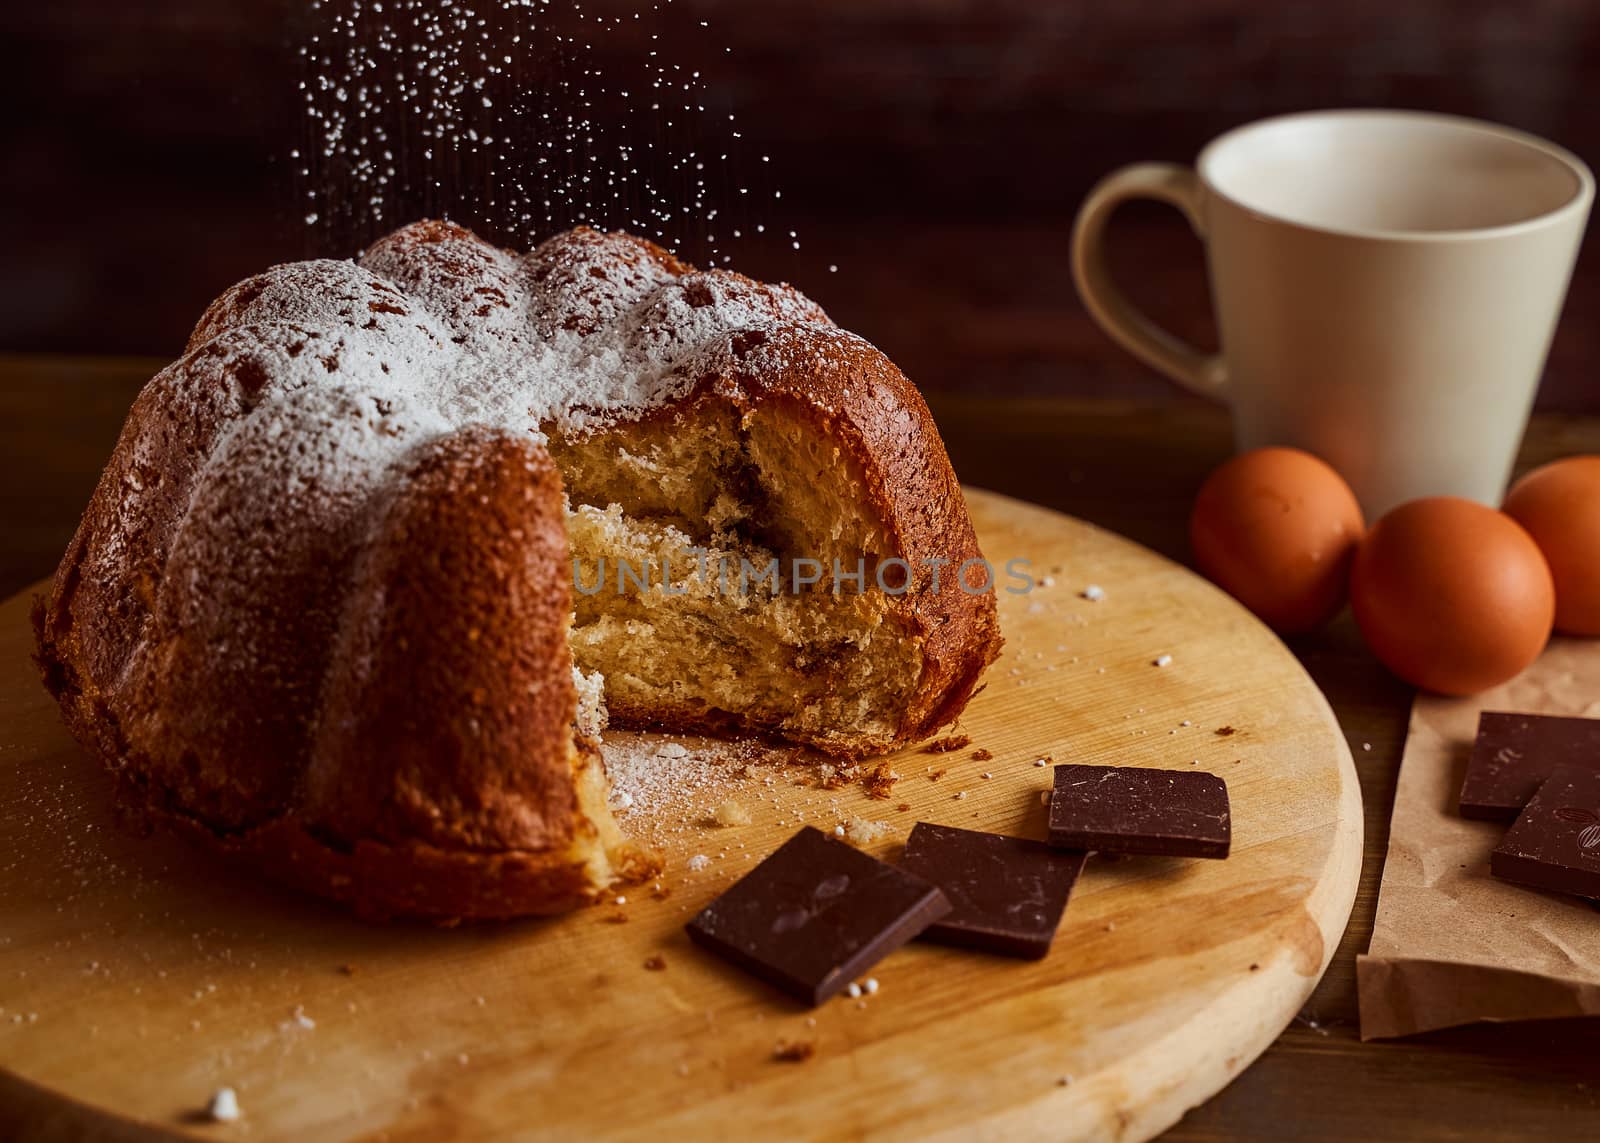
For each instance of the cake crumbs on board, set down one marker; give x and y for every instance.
(223, 1106)
(730, 814)
(663, 789)
(832, 776)
(793, 1051)
(861, 831)
(880, 783)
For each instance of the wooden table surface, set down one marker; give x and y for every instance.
(1132, 468)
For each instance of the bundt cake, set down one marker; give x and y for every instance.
(344, 598)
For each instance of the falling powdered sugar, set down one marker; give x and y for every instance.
(525, 117)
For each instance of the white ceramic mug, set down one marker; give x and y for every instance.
(1386, 284)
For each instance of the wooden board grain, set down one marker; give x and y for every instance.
(135, 979)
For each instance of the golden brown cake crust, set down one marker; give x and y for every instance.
(413, 880)
(443, 724)
(315, 610)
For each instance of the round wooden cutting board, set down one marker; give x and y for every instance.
(136, 978)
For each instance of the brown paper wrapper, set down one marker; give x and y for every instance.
(1452, 944)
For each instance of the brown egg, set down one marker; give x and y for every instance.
(1559, 505)
(1276, 528)
(1451, 595)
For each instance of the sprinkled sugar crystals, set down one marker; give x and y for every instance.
(524, 117)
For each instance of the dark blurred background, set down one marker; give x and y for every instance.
(933, 151)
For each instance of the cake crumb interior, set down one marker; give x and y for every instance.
(680, 529)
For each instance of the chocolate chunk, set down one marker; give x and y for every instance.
(1006, 893)
(1555, 843)
(1127, 809)
(1514, 753)
(815, 914)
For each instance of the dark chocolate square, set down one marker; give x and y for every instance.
(1555, 843)
(1514, 753)
(1128, 809)
(1006, 893)
(815, 914)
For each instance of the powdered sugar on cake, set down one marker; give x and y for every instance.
(587, 329)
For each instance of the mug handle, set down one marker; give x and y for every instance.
(1110, 308)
